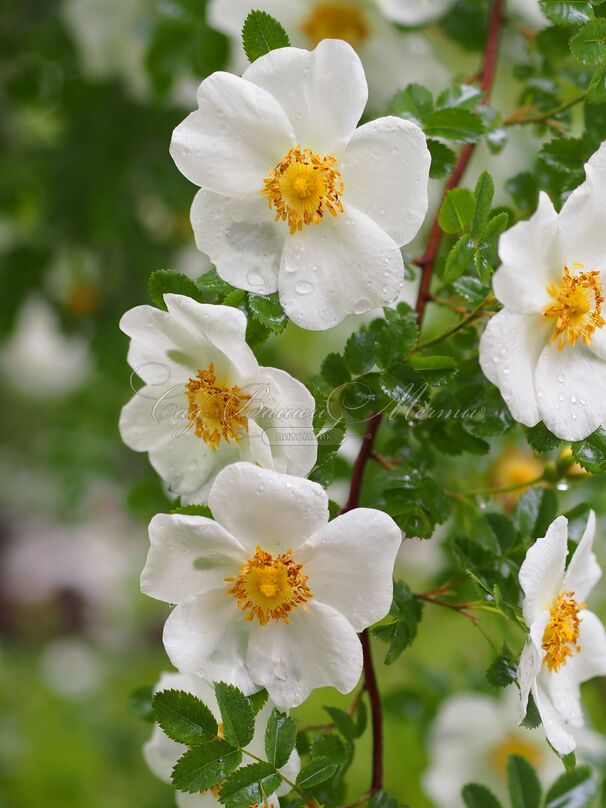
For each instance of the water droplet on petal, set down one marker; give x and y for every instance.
(303, 287)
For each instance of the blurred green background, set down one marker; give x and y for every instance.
(90, 204)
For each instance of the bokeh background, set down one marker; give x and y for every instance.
(90, 205)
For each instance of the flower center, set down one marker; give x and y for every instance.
(577, 307)
(214, 411)
(269, 588)
(336, 20)
(561, 637)
(514, 744)
(303, 187)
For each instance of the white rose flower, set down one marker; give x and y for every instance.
(472, 738)
(206, 402)
(391, 58)
(161, 753)
(546, 349)
(567, 643)
(293, 198)
(271, 594)
(420, 12)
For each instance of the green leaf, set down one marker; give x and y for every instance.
(359, 352)
(414, 103)
(258, 700)
(205, 766)
(213, 283)
(460, 95)
(334, 370)
(250, 785)
(406, 612)
(268, 311)
(315, 772)
(261, 33)
(435, 369)
(236, 713)
(383, 800)
(589, 45)
(456, 124)
(483, 194)
(524, 785)
(165, 281)
(140, 703)
(184, 718)
(477, 796)
(536, 510)
(503, 671)
(568, 12)
(194, 510)
(460, 258)
(591, 452)
(532, 719)
(280, 738)
(443, 159)
(399, 333)
(541, 439)
(343, 722)
(457, 211)
(575, 789)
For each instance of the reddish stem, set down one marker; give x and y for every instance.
(372, 427)
(487, 76)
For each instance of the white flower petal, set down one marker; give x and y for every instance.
(205, 800)
(553, 722)
(188, 555)
(564, 693)
(147, 421)
(414, 12)
(385, 171)
(276, 511)
(207, 635)
(509, 351)
(241, 238)
(571, 385)
(350, 564)
(317, 648)
(237, 134)
(531, 660)
(583, 572)
(591, 660)
(161, 753)
(583, 236)
(542, 572)
(598, 338)
(223, 328)
(323, 92)
(344, 265)
(285, 408)
(189, 465)
(529, 252)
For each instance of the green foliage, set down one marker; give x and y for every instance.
(250, 785)
(205, 765)
(575, 789)
(237, 714)
(568, 12)
(261, 34)
(317, 771)
(589, 45)
(591, 452)
(194, 510)
(140, 703)
(184, 718)
(166, 281)
(280, 738)
(502, 671)
(524, 785)
(403, 622)
(477, 796)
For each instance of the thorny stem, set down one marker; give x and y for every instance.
(486, 80)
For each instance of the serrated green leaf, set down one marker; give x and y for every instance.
(268, 311)
(183, 717)
(406, 612)
(205, 766)
(165, 281)
(258, 700)
(414, 103)
(483, 195)
(457, 211)
(532, 719)
(536, 510)
(315, 772)
(194, 510)
(262, 33)
(591, 452)
(383, 800)
(460, 259)
(250, 785)
(524, 785)
(359, 352)
(478, 796)
(503, 671)
(343, 722)
(236, 713)
(541, 439)
(467, 96)
(568, 12)
(212, 282)
(460, 125)
(443, 159)
(575, 789)
(280, 738)
(334, 370)
(589, 45)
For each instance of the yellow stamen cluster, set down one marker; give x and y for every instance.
(577, 309)
(268, 588)
(303, 187)
(216, 412)
(336, 20)
(514, 744)
(561, 637)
